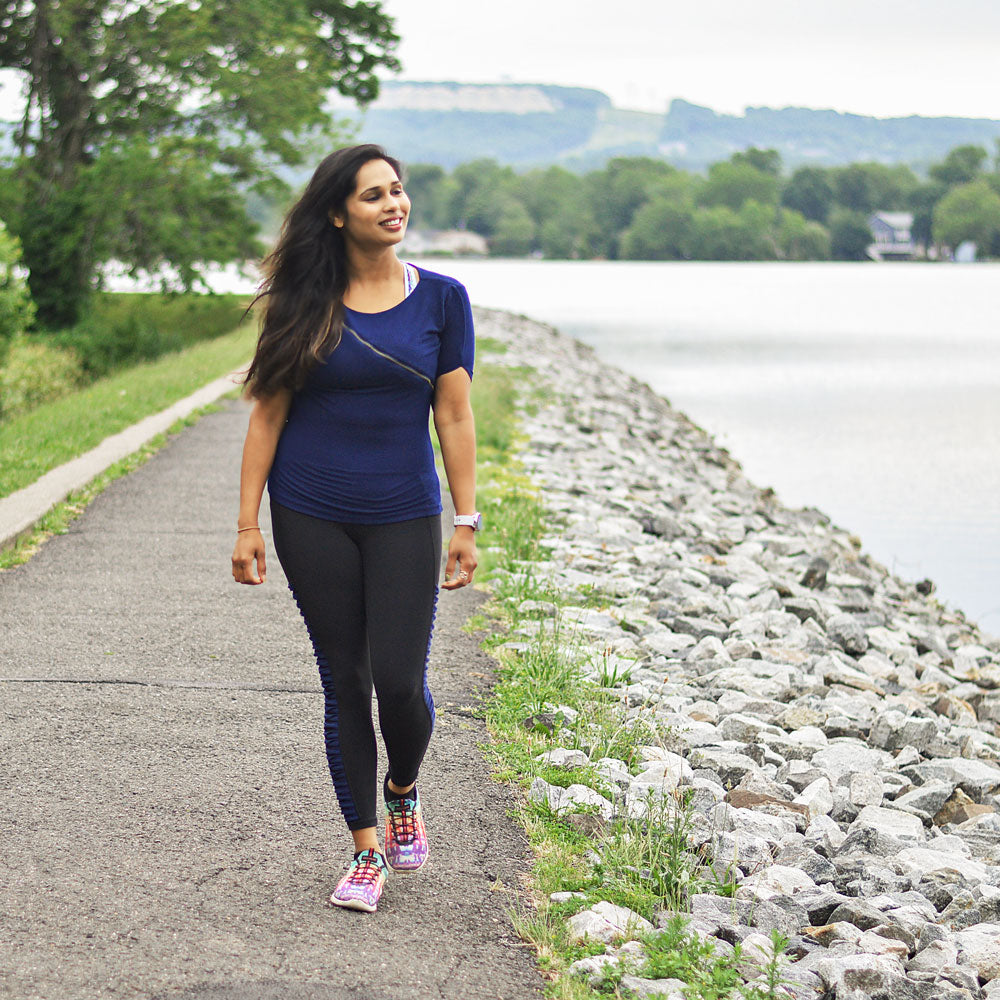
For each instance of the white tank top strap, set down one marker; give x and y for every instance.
(410, 278)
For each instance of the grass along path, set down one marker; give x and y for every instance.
(60, 430)
(554, 691)
(57, 520)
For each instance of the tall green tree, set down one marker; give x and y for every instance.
(800, 238)
(661, 230)
(16, 307)
(564, 219)
(961, 165)
(871, 187)
(850, 235)
(809, 192)
(734, 183)
(617, 192)
(767, 161)
(969, 212)
(432, 193)
(196, 101)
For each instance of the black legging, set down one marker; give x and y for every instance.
(368, 593)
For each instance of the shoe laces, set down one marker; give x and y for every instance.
(404, 816)
(366, 869)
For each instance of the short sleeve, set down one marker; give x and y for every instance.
(458, 338)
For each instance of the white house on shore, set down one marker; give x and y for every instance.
(891, 234)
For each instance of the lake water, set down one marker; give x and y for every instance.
(869, 391)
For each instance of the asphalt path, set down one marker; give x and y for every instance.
(168, 828)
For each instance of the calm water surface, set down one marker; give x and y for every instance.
(869, 391)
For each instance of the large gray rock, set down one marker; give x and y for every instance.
(593, 968)
(744, 850)
(847, 757)
(979, 947)
(871, 975)
(561, 757)
(778, 880)
(934, 956)
(848, 633)
(818, 868)
(744, 728)
(699, 627)
(606, 922)
(892, 731)
(862, 915)
(730, 767)
(865, 789)
(663, 989)
(581, 795)
(976, 778)
(817, 797)
(892, 822)
(925, 800)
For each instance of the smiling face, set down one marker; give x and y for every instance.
(375, 213)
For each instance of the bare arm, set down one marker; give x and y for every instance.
(267, 421)
(456, 431)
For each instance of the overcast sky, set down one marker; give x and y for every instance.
(873, 57)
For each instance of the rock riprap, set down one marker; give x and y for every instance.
(835, 726)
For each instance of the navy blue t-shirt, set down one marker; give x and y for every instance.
(357, 444)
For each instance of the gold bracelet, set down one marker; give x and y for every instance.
(252, 527)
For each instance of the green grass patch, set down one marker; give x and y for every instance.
(58, 431)
(190, 318)
(62, 515)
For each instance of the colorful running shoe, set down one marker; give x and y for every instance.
(405, 833)
(361, 887)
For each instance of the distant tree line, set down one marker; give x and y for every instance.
(745, 208)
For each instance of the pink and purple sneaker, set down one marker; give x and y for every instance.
(361, 887)
(405, 833)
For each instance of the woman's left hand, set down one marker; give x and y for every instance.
(462, 559)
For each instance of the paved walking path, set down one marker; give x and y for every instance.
(168, 826)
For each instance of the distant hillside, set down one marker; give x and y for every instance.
(451, 123)
(536, 124)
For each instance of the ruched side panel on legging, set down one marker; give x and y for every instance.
(368, 594)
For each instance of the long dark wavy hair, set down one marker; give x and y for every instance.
(305, 277)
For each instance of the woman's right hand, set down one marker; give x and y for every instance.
(249, 550)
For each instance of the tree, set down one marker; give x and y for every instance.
(969, 212)
(483, 188)
(660, 230)
(556, 200)
(850, 235)
(515, 232)
(809, 192)
(719, 233)
(430, 191)
(961, 165)
(800, 238)
(205, 98)
(921, 203)
(16, 307)
(767, 161)
(616, 193)
(732, 184)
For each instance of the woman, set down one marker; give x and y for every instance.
(355, 348)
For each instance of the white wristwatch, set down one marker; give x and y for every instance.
(474, 521)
